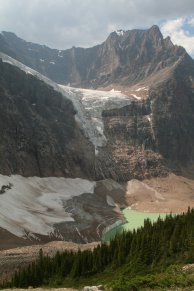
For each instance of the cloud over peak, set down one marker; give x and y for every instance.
(179, 31)
(66, 23)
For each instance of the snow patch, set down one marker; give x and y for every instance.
(135, 96)
(34, 205)
(42, 60)
(96, 151)
(113, 90)
(142, 88)
(120, 32)
(29, 73)
(52, 62)
(149, 117)
(110, 201)
(7, 61)
(59, 54)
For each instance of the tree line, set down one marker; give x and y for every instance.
(149, 249)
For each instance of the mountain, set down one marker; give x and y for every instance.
(138, 124)
(42, 140)
(157, 75)
(125, 58)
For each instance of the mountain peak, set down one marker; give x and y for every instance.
(154, 31)
(154, 28)
(120, 32)
(121, 59)
(9, 34)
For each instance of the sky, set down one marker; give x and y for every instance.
(65, 23)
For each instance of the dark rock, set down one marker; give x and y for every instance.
(39, 135)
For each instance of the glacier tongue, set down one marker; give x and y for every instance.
(89, 104)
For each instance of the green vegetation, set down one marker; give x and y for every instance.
(149, 257)
(135, 219)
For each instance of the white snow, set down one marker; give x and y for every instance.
(42, 60)
(28, 72)
(113, 90)
(149, 117)
(137, 97)
(142, 88)
(90, 105)
(59, 54)
(120, 32)
(7, 61)
(52, 62)
(35, 204)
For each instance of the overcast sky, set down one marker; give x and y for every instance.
(66, 23)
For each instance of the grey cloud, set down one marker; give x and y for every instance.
(64, 23)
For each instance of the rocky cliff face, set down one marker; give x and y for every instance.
(39, 135)
(145, 132)
(125, 58)
(153, 136)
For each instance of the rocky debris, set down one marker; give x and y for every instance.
(131, 144)
(4, 188)
(188, 268)
(93, 288)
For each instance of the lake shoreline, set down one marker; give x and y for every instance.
(134, 219)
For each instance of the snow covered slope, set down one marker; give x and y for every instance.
(34, 205)
(89, 104)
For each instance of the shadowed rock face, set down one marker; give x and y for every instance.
(39, 135)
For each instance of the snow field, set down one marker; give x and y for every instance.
(34, 205)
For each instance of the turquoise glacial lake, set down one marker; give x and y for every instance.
(134, 220)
